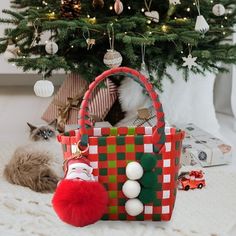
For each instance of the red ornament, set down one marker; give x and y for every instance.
(118, 7)
(80, 203)
(79, 200)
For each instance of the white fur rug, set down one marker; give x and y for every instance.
(210, 211)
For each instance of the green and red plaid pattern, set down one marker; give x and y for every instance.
(110, 149)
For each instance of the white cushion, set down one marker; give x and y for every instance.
(191, 101)
(183, 102)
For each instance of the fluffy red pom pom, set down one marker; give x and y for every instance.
(80, 203)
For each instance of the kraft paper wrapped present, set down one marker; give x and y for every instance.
(65, 104)
(200, 147)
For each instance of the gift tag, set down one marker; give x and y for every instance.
(144, 113)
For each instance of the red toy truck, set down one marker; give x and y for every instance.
(191, 180)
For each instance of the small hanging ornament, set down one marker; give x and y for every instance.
(152, 15)
(98, 3)
(174, 2)
(201, 25)
(43, 88)
(51, 47)
(218, 10)
(90, 42)
(143, 68)
(36, 38)
(112, 58)
(189, 61)
(118, 7)
(11, 51)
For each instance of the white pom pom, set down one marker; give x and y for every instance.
(134, 207)
(134, 170)
(131, 188)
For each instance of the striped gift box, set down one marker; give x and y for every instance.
(102, 99)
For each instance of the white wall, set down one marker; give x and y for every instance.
(19, 105)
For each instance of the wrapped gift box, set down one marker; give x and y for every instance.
(65, 104)
(200, 147)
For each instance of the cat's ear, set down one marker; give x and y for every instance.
(32, 127)
(53, 123)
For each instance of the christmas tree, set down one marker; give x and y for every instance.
(87, 37)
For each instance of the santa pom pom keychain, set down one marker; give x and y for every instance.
(79, 200)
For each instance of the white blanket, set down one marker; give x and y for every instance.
(210, 211)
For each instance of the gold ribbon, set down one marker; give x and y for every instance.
(65, 108)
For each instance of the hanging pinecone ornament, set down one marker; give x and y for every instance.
(98, 3)
(118, 7)
(70, 8)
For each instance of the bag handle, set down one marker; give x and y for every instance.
(83, 120)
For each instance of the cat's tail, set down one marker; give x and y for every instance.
(32, 168)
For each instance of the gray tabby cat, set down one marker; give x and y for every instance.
(37, 165)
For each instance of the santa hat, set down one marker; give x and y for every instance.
(81, 160)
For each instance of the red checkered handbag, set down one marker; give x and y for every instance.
(111, 149)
